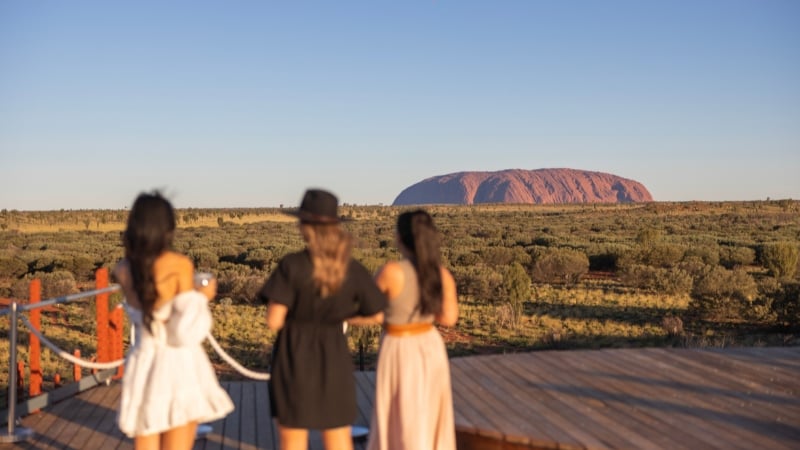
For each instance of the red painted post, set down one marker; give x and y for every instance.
(57, 380)
(101, 305)
(115, 336)
(76, 369)
(34, 346)
(20, 380)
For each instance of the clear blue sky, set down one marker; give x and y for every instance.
(247, 103)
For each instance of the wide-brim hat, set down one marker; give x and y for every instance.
(318, 206)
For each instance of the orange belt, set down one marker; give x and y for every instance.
(407, 329)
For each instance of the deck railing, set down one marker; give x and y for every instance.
(109, 345)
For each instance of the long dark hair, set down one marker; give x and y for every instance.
(150, 229)
(419, 235)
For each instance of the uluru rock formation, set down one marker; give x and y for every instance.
(540, 186)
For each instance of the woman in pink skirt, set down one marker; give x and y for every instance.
(413, 398)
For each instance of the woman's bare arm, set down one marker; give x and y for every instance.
(276, 315)
(122, 275)
(449, 315)
(390, 280)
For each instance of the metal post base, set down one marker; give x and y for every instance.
(20, 434)
(203, 431)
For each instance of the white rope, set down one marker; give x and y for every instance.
(67, 356)
(110, 365)
(233, 363)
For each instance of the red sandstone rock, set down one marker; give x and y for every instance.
(541, 186)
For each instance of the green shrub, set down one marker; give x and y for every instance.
(240, 288)
(657, 279)
(648, 236)
(722, 293)
(694, 266)
(516, 289)
(661, 255)
(780, 259)
(731, 257)
(54, 284)
(204, 259)
(708, 253)
(259, 258)
(557, 265)
(503, 256)
(787, 305)
(13, 267)
(480, 282)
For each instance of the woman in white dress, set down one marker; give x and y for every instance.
(169, 384)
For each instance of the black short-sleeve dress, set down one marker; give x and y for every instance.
(312, 384)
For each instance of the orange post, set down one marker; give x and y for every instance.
(103, 350)
(20, 379)
(57, 380)
(76, 369)
(115, 336)
(34, 346)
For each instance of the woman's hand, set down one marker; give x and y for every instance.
(209, 289)
(375, 319)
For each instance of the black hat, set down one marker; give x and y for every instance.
(318, 206)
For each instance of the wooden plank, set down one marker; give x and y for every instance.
(759, 370)
(35, 422)
(473, 399)
(587, 417)
(684, 400)
(717, 401)
(51, 437)
(69, 390)
(104, 416)
(248, 439)
(786, 357)
(267, 435)
(727, 384)
(522, 424)
(232, 422)
(315, 440)
(86, 412)
(365, 395)
(525, 399)
(560, 394)
(643, 402)
(627, 398)
(629, 405)
(213, 440)
(702, 400)
(41, 420)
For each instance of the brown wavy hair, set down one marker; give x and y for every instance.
(420, 237)
(149, 232)
(329, 247)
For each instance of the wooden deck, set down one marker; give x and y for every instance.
(601, 399)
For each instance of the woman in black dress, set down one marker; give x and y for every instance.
(309, 295)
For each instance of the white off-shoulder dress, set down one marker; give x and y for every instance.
(169, 380)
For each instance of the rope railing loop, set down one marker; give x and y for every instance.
(235, 364)
(60, 352)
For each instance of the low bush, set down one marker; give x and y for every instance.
(557, 265)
